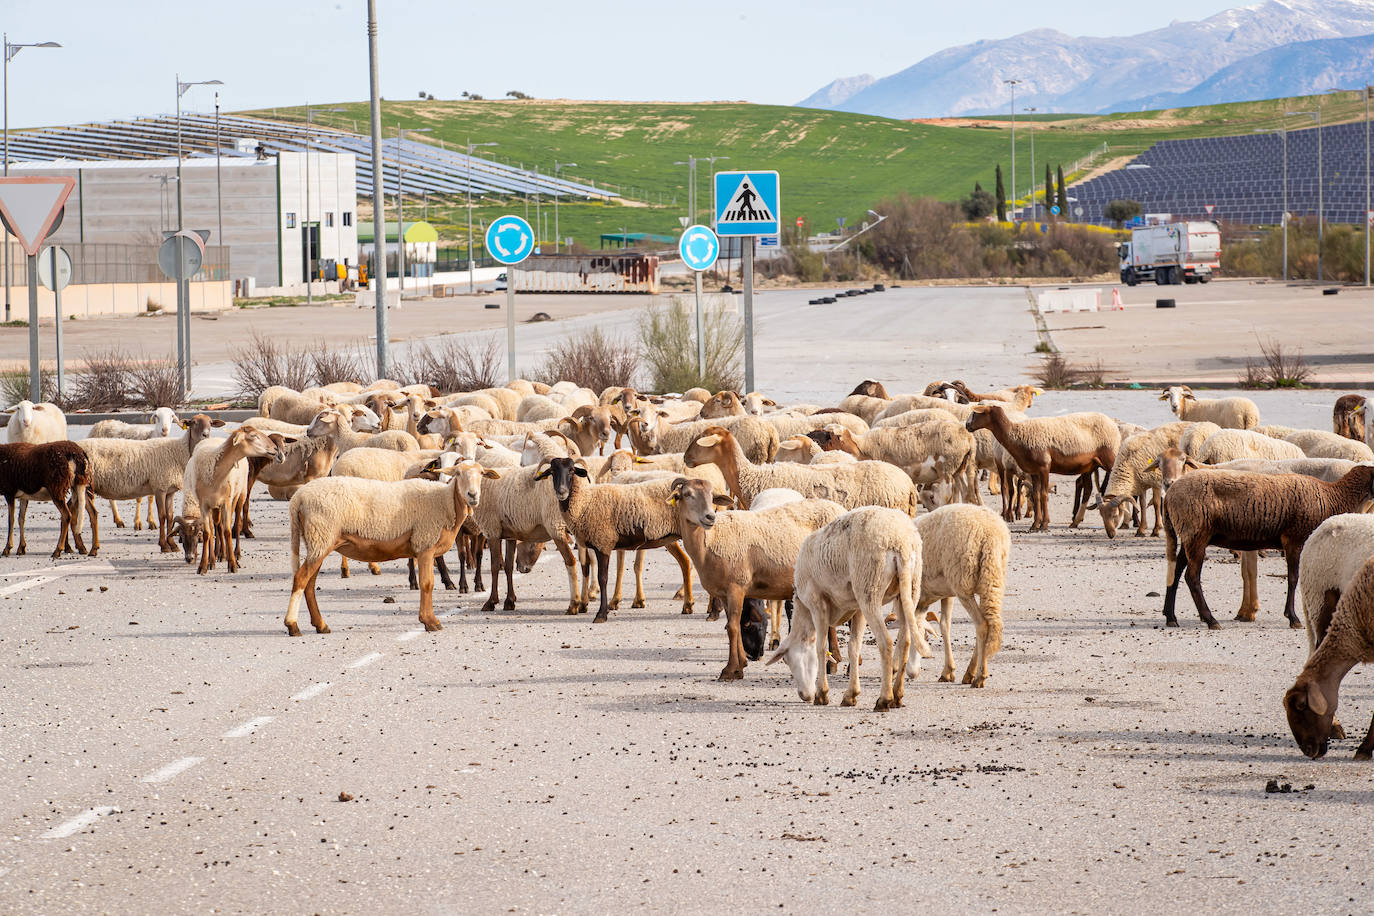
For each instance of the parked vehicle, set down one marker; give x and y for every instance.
(1171, 253)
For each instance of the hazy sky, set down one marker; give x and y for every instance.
(120, 59)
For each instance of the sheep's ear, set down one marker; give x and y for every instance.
(217, 422)
(1359, 409)
(769, 402)
(661, 413)
(543, 474)
(287, 440)
(724, 502)
(1037, 391)
(1153, 465)
(708, 441)
(1164, 395)
(489, 473)
(434, 414)
(1190, 463)
(778, 655)
(580, 470)
(185, 424)
(431, 468)
(1316, 701)
(638, 460)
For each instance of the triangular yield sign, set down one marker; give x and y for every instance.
(746, 206)
(31, 205)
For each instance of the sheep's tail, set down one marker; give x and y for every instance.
(908, 562)
(80, 465)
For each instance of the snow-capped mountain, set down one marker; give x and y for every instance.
(1059, 72)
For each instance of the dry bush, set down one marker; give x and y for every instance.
(1253, 376)
(1055, 371)
(102, 383)
(453, 365)
(590, 359)
(669, 351)
(1283, 368)
(265, 362)
(155, 384)
(1095, 374)
(14, 385)
(346, 364)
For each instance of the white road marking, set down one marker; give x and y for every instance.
(82, 566)
(80, 822)
(32, 583)
(409, 635)
(247, 728)
(312, 691)
(175, 768)
(366, 660)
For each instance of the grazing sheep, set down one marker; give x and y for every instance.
(1248, 512)
(1134, 473)
(758, 439)
(372, 521)
(1310, 704)
(1018, 397)
(964, 553)
(935, 454)
(1347, 417)
(846, 572)
(865, 483)
(742, 555)
(1231, 444)
(1332, 557)
(59, 471)
(871, 388)
(1074, 444)
(1228, 413)
(1318, 443)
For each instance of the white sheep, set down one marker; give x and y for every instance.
(1230, 444)
(538, 407)
(1318, 443)
(804, 450)
(1135, 473)
(905, 402)
(1228, 413)
(36, 423)
(1191, 440)
(846, 572)
(1330, 560)
(163, 422)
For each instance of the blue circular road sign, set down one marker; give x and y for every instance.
(699, 247)
(510, 239)
(1054, 210)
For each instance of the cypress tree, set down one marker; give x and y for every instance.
(1049, 191)
(1001, 197)
(1063, 194)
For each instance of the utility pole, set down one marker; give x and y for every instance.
(1013, 84)
(378, 193)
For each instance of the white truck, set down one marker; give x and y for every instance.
(1171, 253)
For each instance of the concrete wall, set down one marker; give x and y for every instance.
(101, 299)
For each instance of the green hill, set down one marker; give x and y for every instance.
(833, 164)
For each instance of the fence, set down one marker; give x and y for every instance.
(109, 262)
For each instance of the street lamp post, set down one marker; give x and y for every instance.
(711, 166)
(11, 49)
(1317, 116)
(183, 293)
(219, 187)
(558, 192)
(378, 190)
(305, 223)
(1032, 143)
(400, 202)
(472, 288)
(691, 163)
(1013, 84)
(1283, 217)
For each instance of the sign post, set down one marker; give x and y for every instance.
(748, 204)
(55, 272)
(180, 257)
(699, 248)
(31, 209)
(510, 240)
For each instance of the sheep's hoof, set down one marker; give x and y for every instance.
(450, 587)
(374, 569)
(572, 609)
(713, 615)
(822, 699)
(1170, 622)
(831, 666)
(92, 551)
(601, 617)
(7, 551)
(57, 554)
(433, 626)
(508, 604)
(849, 699)
(1213, 625)
(489, 606)
(687, 609)
(322, 629)
(21, 551)
(1245, 616)
(638, 602)
(1294, 625)
(344, 573)
(463, 589)
(774, 643)
(613, 605)
(1337, 730)
(946, 677)
(677, 594)
(292, 630)
(1364, 753)
(1140, 534)
(884, 705)
(731, 674)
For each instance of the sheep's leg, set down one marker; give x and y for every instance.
(832, 640)
(313, 604)
(1082, 490)
(639, 580)
(441, 566)
(734, 610)
(76, 500)
(476, 550)
(1174, 559)
(9, 540)
(23, 527)
(114, 511)
(207, 557)
(494, 546)
(303, 585)
(1040, 520)
(977, 671)
(1366, 749)
(1249, 586)
(1157, 497)
(374, 568)
(148, 510)
(822, 669)
(888, 698)
(461, 545)
(775, 623)
(509, 603)
(1193, 576)
(66, 526)
(603, 569)
(94, 517)
(412, 580)
(614, 603)
(226, 539)
(424, 563)
(684, 564)
(164, 522)
(856, 639)
(343, 568)
(1292, 553)
(946, 611)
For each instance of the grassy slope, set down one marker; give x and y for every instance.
(832, 163)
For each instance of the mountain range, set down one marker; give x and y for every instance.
(1272, 49)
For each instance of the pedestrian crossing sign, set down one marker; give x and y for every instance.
(747, 203)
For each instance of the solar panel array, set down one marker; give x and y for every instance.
(424, 167)
(1241, 177)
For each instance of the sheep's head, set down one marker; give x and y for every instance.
(754, 403)
(165, 420)
(838, 439)
(189, 531)
(326, 423)
(643, 435)
(1172, 464)
(798, 649)
(697, 502)
(1113, 509)
(797, 449)
(560, 472)
(708, 448)
(1309, 716)
(463, 445)
(1176, 395)
(365, 420)
(982, 417)
(257, 444)
(466, 477)
(870, 388)
(198, 428)
(722, 404)
(527, 554)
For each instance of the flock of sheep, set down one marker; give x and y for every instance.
(866, 512)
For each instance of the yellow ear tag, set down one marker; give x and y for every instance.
(672, 500)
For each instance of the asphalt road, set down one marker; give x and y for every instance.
(167, 748)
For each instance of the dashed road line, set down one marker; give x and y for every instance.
(80, 822)
(312, 691)
(175, 768)
(366, 660)
(247, 728)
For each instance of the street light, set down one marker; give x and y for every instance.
(1032, 141)
(183, 294)
(1367, 203)
(691, 163)
(1283, 218)
(712, 160)
(305, 223)
(1013, 84)
(557, 167)
(400, 201)
(11, 49)
(472, 146)
(1317, 116)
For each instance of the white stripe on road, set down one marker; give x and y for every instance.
(80, 822)
(366, 660)
(312, 691)
(172, 769)
(32, 583)
(409, 635)
(43, 576)
(247, 728)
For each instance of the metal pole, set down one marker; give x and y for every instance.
(472, 287)
(57, 309)
(305, 223)
(219, 195)
(747, 243)
(400, 223)
(1366, 185)
(378, 192)
(510, 323)
(1032, 200)
(1013, 150)
(1321, 205)
(701, 341)
(35, 380)
(1285, 203)
(182, 324)
(4, 233)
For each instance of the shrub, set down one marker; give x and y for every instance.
(265, 362)
(1055, 371)
(453, 365)
(1284, 368)
(668, 346)
(348, 364)
(14, 385)
(155, 384)
(1118, 211)
(102, 383)
(590, 359)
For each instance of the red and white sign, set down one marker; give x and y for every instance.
(1209, 208)
(1369, 216)
(799, 222)
(30, 207)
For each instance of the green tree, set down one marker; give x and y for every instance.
(1049, 191)
(1001, 195)
(978, 205)
(1063, 194)
(1118, 211)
